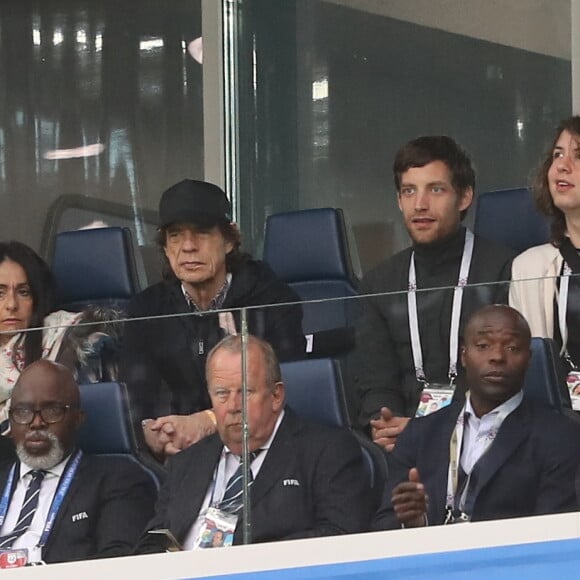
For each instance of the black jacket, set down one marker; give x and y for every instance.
(104, 512)
(172, 351)
(385, 373)
(312, 483)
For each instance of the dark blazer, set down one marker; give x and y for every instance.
(528, 470)
(332, 495)
(166, 356)
(113, 499)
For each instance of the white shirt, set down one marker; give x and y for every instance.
(227, 466)
(479, 432)
(48, 487)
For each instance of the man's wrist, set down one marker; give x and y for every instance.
(211, 416)
(424, 524)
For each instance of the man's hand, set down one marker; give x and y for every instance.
(410, 501)
(155, 439)
(387, 428)
(181, 431)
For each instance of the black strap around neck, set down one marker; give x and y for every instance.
(570, 255)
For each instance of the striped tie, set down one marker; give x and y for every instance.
(232, 501)
(27, 510)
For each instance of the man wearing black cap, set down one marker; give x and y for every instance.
(204, 271)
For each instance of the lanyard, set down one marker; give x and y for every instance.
(61, 492)
(455, 445)
(455, 313)
(562, 308)
(455, 449)
(6, 495)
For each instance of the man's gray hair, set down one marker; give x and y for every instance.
(233, 343)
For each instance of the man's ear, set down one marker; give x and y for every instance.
(463, 356)
(466, 199)
(230, 244)
(279, 395)
(399, 201)
(81, 417)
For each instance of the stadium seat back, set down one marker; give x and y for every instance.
(308, 249)
(545, 378)
(107, 427)
(509, 216)
(95, 267)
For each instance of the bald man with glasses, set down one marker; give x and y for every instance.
(57, 504)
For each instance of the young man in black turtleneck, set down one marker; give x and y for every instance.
(410, 341)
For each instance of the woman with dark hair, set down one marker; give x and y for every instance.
(26, 302)
(545, 283)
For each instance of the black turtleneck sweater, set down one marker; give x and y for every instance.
(385, 373)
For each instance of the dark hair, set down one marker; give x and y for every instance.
(41, 283)
(541, 187)
(423, 150)
(231, 234)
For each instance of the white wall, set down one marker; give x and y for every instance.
(541, 26)
(576, 56)
(213, 107)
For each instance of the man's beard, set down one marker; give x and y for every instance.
(47, 461)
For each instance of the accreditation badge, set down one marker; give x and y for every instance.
(453, 516)
(573, 383)
(217, 529)
(13, 558)
(434, 396)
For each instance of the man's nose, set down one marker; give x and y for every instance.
(190, 240)
(37, 421)
(421, 200)
(234, 404)
(497, 353)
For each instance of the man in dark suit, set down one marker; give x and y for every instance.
(100, 505)
(496, 456)
(309, 480)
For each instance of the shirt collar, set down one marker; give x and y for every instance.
(57, 470)
(505, 408)
(217, 301)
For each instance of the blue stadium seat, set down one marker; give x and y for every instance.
(107, 428)
(545, 378)
(95, 267)
(510, 217)
(314, 390)
(308, 249)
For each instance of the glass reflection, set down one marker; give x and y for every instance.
(97, 99)
(339, 85)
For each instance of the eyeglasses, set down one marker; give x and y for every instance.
(50, 414)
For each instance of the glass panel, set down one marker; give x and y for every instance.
(329, 90)
(331, 390)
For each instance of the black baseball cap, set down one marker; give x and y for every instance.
(197, 202)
